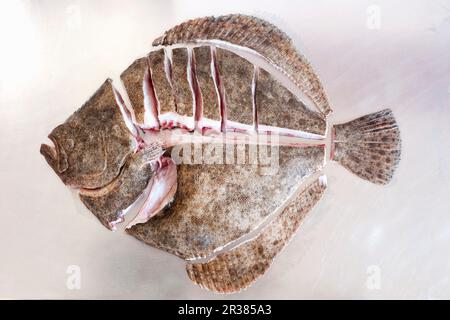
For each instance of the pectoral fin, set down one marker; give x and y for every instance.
(160, 190)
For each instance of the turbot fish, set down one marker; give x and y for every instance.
(225, 136)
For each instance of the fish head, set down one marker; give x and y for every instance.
(91, 146)
(77, 155)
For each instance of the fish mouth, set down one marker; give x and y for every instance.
(55, 155)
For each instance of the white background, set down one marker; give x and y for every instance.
(55, 54)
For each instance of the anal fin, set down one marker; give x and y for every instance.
(238, 268)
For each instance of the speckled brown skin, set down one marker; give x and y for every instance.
(369, 146)
(236, 74)
(108, 203)
(92, 144)
(260, 36)
(132, 79)
(163, 89)
(216, 203)
(181, 87)
(234, 270)
(210, 99)
(277, 106)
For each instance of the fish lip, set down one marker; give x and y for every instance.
(50, 154)
(55, 155)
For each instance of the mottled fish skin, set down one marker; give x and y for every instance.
(93, 144)
(132, 79)
(235, 270)
(180, 82)
(236, 74)
(216, 204)
(277, 106)
(163, 88)
(260, 36)
(210, 101)
(109, 202)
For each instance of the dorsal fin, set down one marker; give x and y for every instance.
(260, 36)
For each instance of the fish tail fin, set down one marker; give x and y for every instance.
(368, 146)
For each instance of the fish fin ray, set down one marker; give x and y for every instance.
(369, 146)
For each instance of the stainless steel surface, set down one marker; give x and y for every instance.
(361, 241)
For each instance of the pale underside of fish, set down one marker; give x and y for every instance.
(200, 89)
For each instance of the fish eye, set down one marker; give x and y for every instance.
(69, 144)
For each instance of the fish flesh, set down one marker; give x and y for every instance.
(220, 147)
